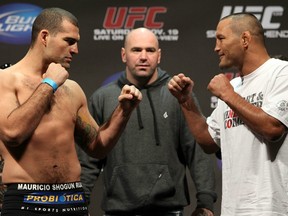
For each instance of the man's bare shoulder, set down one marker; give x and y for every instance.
(74, 87)
(5, 72)
(7, 78)
(72, 83)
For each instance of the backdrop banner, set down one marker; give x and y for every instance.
(186, 32)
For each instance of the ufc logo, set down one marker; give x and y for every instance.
(264, 14)
(124, 17)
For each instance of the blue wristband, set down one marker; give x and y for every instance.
(51, 83)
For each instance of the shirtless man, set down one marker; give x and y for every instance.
(41, 113)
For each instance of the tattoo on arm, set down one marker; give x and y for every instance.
(84, 133)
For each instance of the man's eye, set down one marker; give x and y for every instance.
(136, 50)
(151, 50)
(71, 41)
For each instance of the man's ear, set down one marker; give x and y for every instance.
(123, 55)
(159, 58)
(43, 36)
(246, 38)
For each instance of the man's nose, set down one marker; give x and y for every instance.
(74, 49)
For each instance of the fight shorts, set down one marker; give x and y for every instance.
(30, 199)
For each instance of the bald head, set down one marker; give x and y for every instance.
(141, 35)
(141, 54)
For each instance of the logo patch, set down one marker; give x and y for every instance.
(282, 106)
(16, 22)
(55, 198)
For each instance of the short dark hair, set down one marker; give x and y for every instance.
(51, 19)
(246, 22)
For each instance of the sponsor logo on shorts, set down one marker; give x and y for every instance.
(55, 198)
(49, 187)
(49, 209)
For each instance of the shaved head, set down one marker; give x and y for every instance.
(241, 22)
(141, 32)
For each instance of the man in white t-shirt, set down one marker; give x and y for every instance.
(250, 122)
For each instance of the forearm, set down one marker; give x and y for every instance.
(198, 126)
(110, 131)
(23, 120)
(101, 140)
(98, 141)
(255, 118)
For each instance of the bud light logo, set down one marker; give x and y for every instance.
(16, 22)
